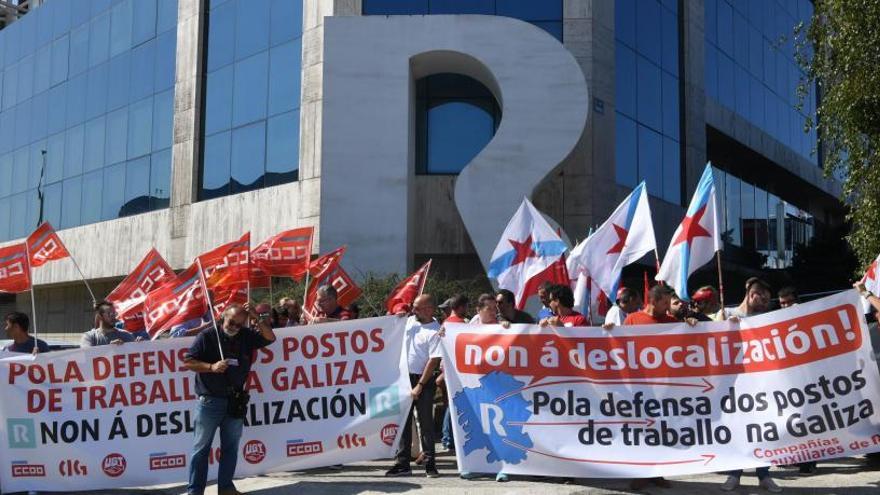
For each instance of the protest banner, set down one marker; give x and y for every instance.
(122, 416)
(790, 386)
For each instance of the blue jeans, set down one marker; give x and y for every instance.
(210, 415)
(447, 440)
(762, 472)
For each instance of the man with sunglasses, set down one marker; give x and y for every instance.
(219, 385)
(105, 331)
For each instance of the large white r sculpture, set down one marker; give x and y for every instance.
(368, 131)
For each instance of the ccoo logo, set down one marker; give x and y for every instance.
(114, 465)
(254, 451)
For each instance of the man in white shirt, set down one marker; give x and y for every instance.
(421, 343)
(626, 303)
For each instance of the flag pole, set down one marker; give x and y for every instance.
(82, 275)
(210, 307)
(33, 301)
(720, 284)
(306, 291)
(657, 265)
(422, 287)
(271, 296)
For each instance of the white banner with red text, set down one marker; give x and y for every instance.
(123, 416)
(785, 387)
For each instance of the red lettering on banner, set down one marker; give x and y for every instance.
(139, 364)
(37, 373)
(106, 396)
(785, 344)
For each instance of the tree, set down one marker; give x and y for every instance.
(840, 52)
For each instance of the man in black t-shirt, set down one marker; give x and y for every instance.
(216, 381)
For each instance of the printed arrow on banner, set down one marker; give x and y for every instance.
(647, 422)
(704, 458)
(706, 385)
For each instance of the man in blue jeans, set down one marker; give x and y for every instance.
(217, 379)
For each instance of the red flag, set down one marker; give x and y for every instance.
(407, 290)
(555, 273)
(259, 278)
(176, 301)
(228, 264)
(128, 297)
(44, 245)
(327, 271)
(15, 273)
(326, 262)
(222, 297)
(285, 254)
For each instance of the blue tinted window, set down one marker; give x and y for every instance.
(218, 110)
(25, 78)
(670, 106)
(10, 87)
(99, 39)
(93, 149)
(625, 21)
(248, 157)
(61, 18)
(725, 27)
(286, 21)
(40, 111)
(530, 10)
(144, 16)
(73, 151)
(167, 15)
(166, 45)
(249, 91)
(58, 72)
(282, 148)
(71, 202)
(670, 42)
(671, 170)
(284, 77)
(57, 108)
(160, 179)
(649, 30)
(463, 7)
(626, 151)
(163, 120)
(143, 60)
(52, 203)
(120, 27)
(137, 187)
(117, 136)
(96, 95)
(649, 93)
(117, 87)
(42, 69)
(20, 170)
(5, 175)
(54, 159)
(91, 197)
(650, 159)
(221, 36)
(113, 195)
(5, 208)
(251, 21)
(215, 171)
(76, 104)
(140, 127)
(79, 49)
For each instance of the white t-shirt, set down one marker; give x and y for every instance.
(615, 315)
(421, 342)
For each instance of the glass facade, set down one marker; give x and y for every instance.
(546, 14)
(751, 70)
(456, 116)
(86, 104)
(647, 93)
(751, 220)
(252, 95)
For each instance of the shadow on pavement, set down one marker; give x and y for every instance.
(338, 487)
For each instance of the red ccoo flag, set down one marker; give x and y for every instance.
(128, 297)
(285, 254)
(327, 271)
(15, 273)
(176, 301)
(44, 245)
(228, 264)
(226, 295)
(402, 297)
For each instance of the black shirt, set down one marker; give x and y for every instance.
(28, 346)
(240, 347)
(518, 317)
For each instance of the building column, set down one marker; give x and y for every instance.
(186, 151)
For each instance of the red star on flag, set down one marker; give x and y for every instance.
(691, 228)
(523, 250)
(621, 239)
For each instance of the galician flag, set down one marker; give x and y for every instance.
(626, 236)
(696, 240)
(528, 254)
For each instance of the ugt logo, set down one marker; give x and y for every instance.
(22, 434)
(384, 402)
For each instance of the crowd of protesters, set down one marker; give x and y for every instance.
(242, 328)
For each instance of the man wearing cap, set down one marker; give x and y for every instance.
(703, 303)
(458, 307)
(627, 302)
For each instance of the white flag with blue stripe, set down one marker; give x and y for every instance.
(528, 253)
(697, 238)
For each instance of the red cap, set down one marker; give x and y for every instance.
(704, 294)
